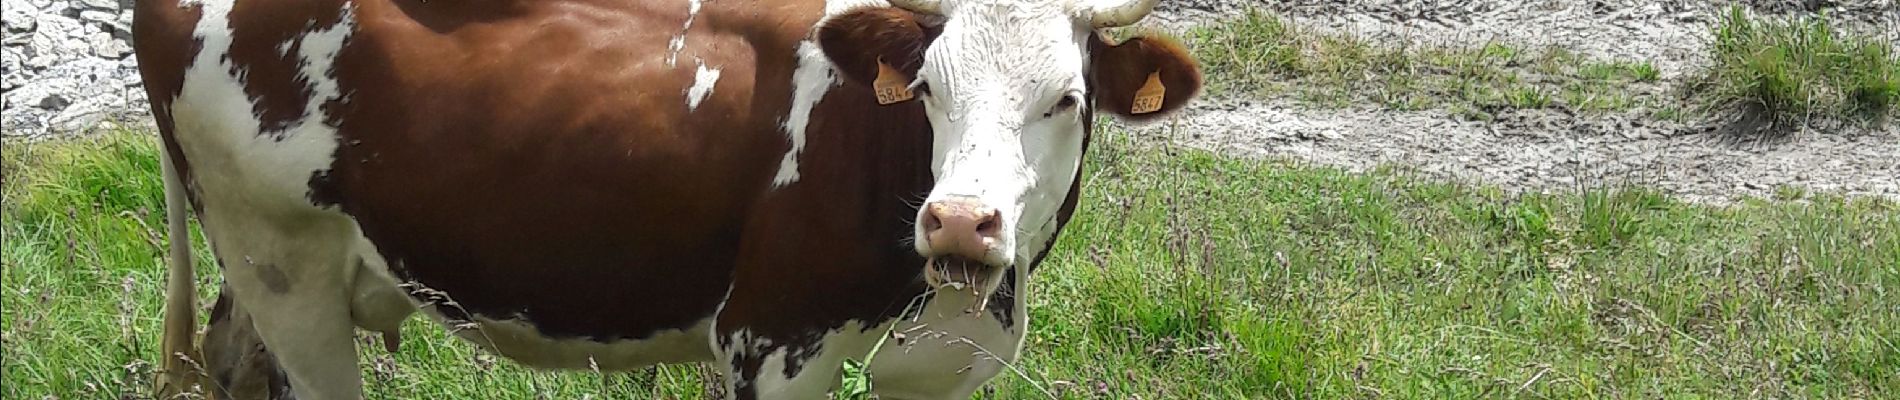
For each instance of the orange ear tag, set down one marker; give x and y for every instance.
(890, 85)
(1148, 98)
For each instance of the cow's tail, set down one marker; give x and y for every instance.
(181, 364)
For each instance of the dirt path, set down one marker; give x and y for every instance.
(1545, 150)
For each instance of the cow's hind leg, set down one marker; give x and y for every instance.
(291, 273)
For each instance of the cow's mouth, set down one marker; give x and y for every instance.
(955, 273)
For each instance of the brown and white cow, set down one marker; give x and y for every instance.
(766, 185)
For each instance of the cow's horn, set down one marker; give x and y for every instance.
(920, 6)
(1114, 13)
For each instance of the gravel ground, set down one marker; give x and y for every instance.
(1547, 150)
(67, 68)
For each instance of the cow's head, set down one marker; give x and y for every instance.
(1010, 87)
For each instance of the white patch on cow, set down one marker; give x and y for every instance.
(814, 77)
(951, 348)
(818, 372)
(216, 124)
(678, 43)
(283, 49)
(703, 80)
(288, 262)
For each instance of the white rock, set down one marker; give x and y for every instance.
(104, 45)
(31, 95)
(97, 16)
(57, 7)
(19, 16)
(79, 117)
(100, 4)
(10, 59)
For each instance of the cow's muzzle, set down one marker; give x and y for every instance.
(962, 240)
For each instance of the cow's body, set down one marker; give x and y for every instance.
(569, 183)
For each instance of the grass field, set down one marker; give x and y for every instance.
(1185, 275)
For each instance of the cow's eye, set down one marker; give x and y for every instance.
(1067, 102)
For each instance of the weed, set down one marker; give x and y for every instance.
(1787, 73)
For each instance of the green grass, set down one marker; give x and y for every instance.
(1185, 275)
(1788, 72)
(1262, 54)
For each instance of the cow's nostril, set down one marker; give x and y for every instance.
(989, 226)
(931, 221)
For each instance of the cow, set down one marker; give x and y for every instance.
(768, 187)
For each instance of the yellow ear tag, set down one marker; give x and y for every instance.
(1148, 98)
(890, 85)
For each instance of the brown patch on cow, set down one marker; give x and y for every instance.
(532, 167)
(857, 40)
(165, 50)
(1120, 70)
(265, 40)
(273, 278)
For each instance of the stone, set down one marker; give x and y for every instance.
(122, 26)
(97, 16)
(104, 45)
(79, 117)
(19, 16)
(61, 8)
(100, 4)
(10, 59)
(53, 102)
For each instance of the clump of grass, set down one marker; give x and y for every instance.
(1260, 53)
(1789, 72)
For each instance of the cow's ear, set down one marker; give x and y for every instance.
(858, 40)
(1143, 78)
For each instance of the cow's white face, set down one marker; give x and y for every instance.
(1004, 88)
(1005, 85)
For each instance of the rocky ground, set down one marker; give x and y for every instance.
(67, 67)
(1542, 150)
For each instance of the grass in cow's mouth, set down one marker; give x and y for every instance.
(956, 273)
(1781, 74)
(1260, 53)
(1185, 275)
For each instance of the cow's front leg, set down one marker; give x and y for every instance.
(798, 363)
